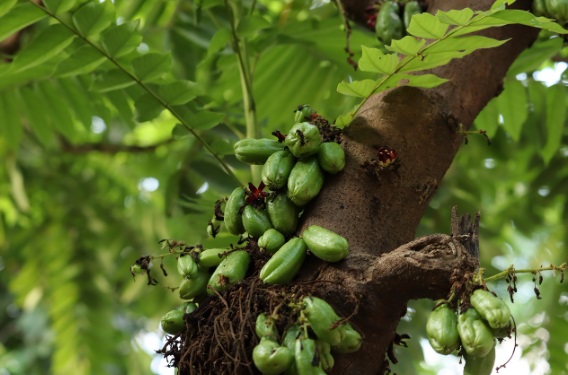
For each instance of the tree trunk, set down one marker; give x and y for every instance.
(379, 213)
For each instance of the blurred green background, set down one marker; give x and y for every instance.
(94, 176)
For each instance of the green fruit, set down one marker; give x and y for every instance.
(305, 357)
(285, 263)
(351, 342)
(173, 322)
(479, 366)
(331, 157)
(233, 212)
(194, 287)
(231, 270)
(256, 221)
(557, 9)
(265, 327)
(389, 26)
(277, 168)
(256, 151)
(303, 140)
(442, 330)
(271, 241)
(303, 113)
(500, 333)
(283, 214)
(187, 307)
(292, 333)
(325, 244)
(323, 319)
(305, 181)
(410, 9)
(211, 257)
(476, 336)
(324, 351)
(271, 358)
(186, 266)
(493, 309)
(539, 8)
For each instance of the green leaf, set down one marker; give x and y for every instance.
(59, 111)
(35, 111)
(59, 6)
(426, 25)
(513, 107)
(219, 41)
(79, 100)
(423, 80)
(46, 45)
(6, 6)
(147, 108)
(532, 58)
(152, 66)
(455, 17)
(222, 147)
(555, 120)
(407, 46)
(121, 103)
(466, 43)
(344, 120)
(178, 92)
(84, 60)
(361, 89)
(523, 17)
(199, 120)
(11, 129)
(94, 17)
(112, 80)
(120, 40)
(488, 118)
(250, 25)
(374, 60)
(430, 60)
(19, 17)
(179, 132)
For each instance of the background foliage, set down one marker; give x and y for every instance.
(96, 171)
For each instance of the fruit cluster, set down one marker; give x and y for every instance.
(474, 329)
(305, 347)
(556, 9)
(393, 19)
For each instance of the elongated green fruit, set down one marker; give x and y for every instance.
(277, 168)
(256, 151)
(303, 140)
(493, 309)
(194, 287)
(186, 266)
(265, 327)
(285, 263)
(233, 212)
(410, 9)
(172, 322)
(324, 352)
(442, 330)
(476, 336)
(283, 214)
(305, 357)
(271, 358)
(323, 319)
(187, 307)
(331, 157)
(256, 221)
(305, 181)
(389, 26)
(325, 244)
(231, 270)
(479, 366)
(211, 257)
(351, 342)
(292, 333)
(557, 9)
(271, 241)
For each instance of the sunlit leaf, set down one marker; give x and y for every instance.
(122, 39)
(18, 17)
(59, 6)
(152, 66)
(84, 60)
(374, 60)
(407, 45)
(360, 89)
(112, 80)
(93, 17)
(428, 26)
(466, 43)
(555, 120)
(455, 17)
(46, 45)
(422, 80)
(431, 60)
(6, 6)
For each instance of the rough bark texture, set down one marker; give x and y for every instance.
(379, 215)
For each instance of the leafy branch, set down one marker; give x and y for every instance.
(434, 41)
(140, 82)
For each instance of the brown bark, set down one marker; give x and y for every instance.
(379, 215)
